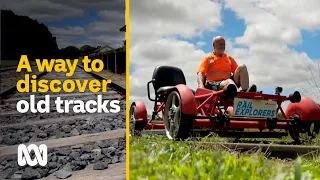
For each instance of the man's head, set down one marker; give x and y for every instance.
(219, 44)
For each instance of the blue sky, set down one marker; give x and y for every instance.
(309, 44)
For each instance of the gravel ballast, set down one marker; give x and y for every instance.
(64, 161)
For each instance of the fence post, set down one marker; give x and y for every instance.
(102, 59)
(107, 62)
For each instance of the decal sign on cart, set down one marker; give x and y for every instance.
(254, 108)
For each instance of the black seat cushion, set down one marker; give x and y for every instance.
(166, 76)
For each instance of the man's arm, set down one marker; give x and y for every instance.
(203, 69)
(200, 79)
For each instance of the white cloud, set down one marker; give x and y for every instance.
(149, 59)
(153, 43)
(201, 43)
(42, 10)
(67, 31)
(154, 19)
(270, 27)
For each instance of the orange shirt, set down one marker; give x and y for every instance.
(216, 68)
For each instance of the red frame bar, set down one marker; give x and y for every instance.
(207, 124)
(210, 105)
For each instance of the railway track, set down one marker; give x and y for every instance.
(80, 146)
(9, 77)
(4, 69)
(273, 148)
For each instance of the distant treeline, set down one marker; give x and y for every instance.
(21, 35)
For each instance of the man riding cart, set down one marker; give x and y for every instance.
(219, 70)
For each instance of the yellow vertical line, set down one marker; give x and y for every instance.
(127, 86)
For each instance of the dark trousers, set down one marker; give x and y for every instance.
(215, 85)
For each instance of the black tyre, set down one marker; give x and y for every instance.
(177, 124)
(303, 132)
(135, 126)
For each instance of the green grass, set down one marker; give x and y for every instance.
(286, 139)
(155, 157)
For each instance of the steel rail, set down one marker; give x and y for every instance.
(120, 89)
(11, 90)
(5, 94)
(274, 148)
(299, 149)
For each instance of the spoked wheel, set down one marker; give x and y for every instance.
(302, 132)
(135, 126)
(177, 124)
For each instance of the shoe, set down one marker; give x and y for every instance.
(252, 88)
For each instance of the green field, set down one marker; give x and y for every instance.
(154, 157)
